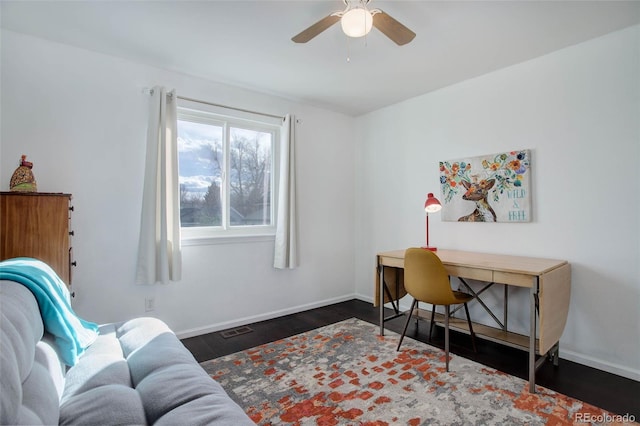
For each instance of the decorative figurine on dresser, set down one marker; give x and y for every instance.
(36, 224)
(23, 179)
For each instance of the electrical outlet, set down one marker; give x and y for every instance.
(149, 304)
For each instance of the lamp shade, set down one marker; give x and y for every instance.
(357, 22)
(432, 204)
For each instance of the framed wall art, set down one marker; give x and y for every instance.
(487, 188)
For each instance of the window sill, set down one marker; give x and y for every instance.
(228, 239)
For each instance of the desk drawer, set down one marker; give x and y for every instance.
(471, 273)
(511, 278)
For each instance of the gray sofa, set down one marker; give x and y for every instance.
(135, 372)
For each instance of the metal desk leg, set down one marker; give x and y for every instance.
(506, 307)
(381, 290)
(532, 336)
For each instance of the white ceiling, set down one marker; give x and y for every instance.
(248, 43)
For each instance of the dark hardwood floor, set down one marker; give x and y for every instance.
(611, 392)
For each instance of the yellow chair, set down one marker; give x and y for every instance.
(426, 280)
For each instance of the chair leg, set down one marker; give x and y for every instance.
(446, 335)
(432, 323)
(473, 335)
(406, 324)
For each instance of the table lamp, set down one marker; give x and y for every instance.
(431, 205)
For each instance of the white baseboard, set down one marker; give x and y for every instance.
(587, 360)
(619, 370)
(403, 306)
(261, 317)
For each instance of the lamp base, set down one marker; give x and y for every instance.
(430, 248)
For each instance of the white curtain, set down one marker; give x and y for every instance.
(159, 252)
(286, 246)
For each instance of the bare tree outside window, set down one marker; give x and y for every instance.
(249, 182)
(210, 177)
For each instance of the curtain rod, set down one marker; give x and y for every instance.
(184, 98)
(264, 114)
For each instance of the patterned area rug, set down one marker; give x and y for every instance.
(346, 374)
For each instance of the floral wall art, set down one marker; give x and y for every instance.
(488, 188)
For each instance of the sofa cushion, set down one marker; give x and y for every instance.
(47, 355)
(101, 365)
(104, 405)
(211, 409)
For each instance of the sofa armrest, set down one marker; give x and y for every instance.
(31, 373)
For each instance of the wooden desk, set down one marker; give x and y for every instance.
(549, 282)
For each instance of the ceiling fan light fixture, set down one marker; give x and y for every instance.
(357, 22)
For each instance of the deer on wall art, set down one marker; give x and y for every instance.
(478, 191)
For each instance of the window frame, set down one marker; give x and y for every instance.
(225, 233)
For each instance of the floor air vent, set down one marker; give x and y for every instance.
(235, 332)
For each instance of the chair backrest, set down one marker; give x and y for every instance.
(425, 277)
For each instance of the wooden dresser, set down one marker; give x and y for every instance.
(36, 224)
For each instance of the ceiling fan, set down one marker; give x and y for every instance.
(357, 21)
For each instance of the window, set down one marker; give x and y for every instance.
(226, 175)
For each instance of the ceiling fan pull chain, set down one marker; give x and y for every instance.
(348, 49)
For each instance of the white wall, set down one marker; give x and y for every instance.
(81, 118)
(578, 110)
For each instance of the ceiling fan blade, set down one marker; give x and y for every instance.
(393, 29)
(315, 29)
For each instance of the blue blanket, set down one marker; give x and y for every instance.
(72, 334)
